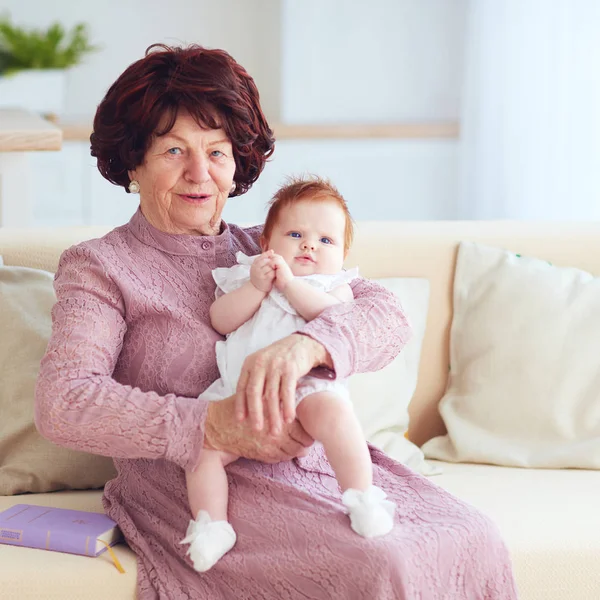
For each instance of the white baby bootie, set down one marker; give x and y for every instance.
(371, 515)
(209, 540)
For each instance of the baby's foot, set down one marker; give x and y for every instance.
(371, 515)
(209, 540)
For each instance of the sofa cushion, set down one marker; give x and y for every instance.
(28, 462)
(381, 399)
(524, 386)
(549, 519)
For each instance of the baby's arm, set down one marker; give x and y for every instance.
(308, 301)
(233, 309)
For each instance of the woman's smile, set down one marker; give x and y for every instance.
(195, 198)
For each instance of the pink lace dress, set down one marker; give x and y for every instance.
(132, 348)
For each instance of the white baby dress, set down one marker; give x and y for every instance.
(274, 320)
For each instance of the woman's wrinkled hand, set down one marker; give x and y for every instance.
(222, 431)
(266, 388)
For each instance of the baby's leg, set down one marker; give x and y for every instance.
(207, 485)
(331, 420)
(209, 535)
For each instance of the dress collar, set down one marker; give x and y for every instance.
(178, 243)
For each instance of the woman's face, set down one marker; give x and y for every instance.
(186, 178)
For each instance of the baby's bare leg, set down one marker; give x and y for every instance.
(207, 486)
(209, 535)
(332, 421)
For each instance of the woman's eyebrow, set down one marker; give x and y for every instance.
(219, 141)
(174, 136)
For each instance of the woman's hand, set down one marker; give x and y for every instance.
(223, 432)
(262, 273)
(267, 383)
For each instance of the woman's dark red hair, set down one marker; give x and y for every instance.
(145, 99)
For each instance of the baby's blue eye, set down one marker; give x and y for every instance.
(174, 150)
(325, 240)
(295, 234)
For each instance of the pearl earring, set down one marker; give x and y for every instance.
(134, 187)
(233, 186)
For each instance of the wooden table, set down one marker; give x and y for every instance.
(21, 132)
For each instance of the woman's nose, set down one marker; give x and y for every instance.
(197, 169)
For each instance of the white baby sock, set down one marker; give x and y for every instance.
(371, 515)
(209, 540)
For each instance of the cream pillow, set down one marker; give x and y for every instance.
(524, 386)
(28, 462)
(381, 399)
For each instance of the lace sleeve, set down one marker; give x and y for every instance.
(78, 403)
(364, 335)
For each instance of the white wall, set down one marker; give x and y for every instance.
(372, 61)
(314, 61)
(125, 28)
(380, 179)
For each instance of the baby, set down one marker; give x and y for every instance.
(262, 299)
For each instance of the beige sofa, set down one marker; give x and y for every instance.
(549, 518)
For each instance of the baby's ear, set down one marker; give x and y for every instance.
(263, 243)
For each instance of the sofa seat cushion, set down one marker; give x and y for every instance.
(40, 574)
(548, 518)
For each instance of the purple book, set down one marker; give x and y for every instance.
(58, 529)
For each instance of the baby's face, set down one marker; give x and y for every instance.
(310, 237)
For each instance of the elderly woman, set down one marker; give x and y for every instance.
(132, 348)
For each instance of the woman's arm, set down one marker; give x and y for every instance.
(353, 337)
(78, 403)
(233, 309)
(364, 335)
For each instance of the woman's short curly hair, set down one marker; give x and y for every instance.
(144, 101)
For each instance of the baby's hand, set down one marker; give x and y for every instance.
(283, 273)
(262, 273)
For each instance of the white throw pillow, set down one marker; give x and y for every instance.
(381, 399)
(524, 387)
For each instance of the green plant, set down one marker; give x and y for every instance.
(52, 48)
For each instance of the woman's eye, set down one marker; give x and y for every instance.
(217, 153)
(325, 240)
(295, 234)
(174, 151)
